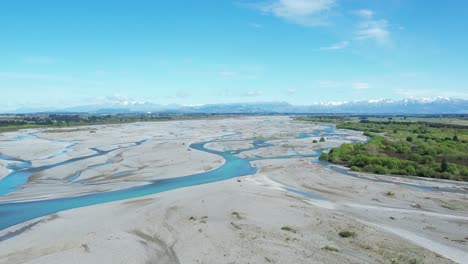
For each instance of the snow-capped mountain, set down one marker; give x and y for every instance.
(436, 105)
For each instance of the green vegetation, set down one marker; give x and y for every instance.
(236, 226)
(447, 205)
(272, 136)
(322, 139)
(289, 229)
(69, 130)
(237, 215)
(421, 148)
(390, 194)
(451, 119)
(402, 259)
(86, 247)
(346, 234)
(328, 248)
(324, 119)
(25, 121)
(204, 220)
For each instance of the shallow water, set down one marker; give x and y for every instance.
(17, 177)
(15, 213)
(12, 213)
(23, 170)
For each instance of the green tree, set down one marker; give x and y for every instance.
(410, 170)
(324, 157)
(443, 165)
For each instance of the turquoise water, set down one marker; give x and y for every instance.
(19, 212)
(15, 213)
(17, 177)
(23, 170)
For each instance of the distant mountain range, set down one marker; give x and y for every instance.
(437, 105)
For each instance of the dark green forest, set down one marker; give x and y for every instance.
(22, 121)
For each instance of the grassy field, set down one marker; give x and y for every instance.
(415, 146)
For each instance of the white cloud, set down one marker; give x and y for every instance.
(370, 28)
(253, 93)
(361, 86)
(303, 12)
(376, 30)
(336, 46)
(365, 13)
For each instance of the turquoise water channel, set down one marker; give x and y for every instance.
(13, 213)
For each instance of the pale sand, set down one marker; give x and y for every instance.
(3, 170)
(32, 149)
(415, 215)
(158, 229)
(230, 145)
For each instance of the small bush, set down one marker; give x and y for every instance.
(347, 234)
(236, 226)
(289, 229)
(447, 205)
(328, 248)
(237, 215)
(324, 157)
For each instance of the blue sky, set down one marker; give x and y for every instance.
(64, 53)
